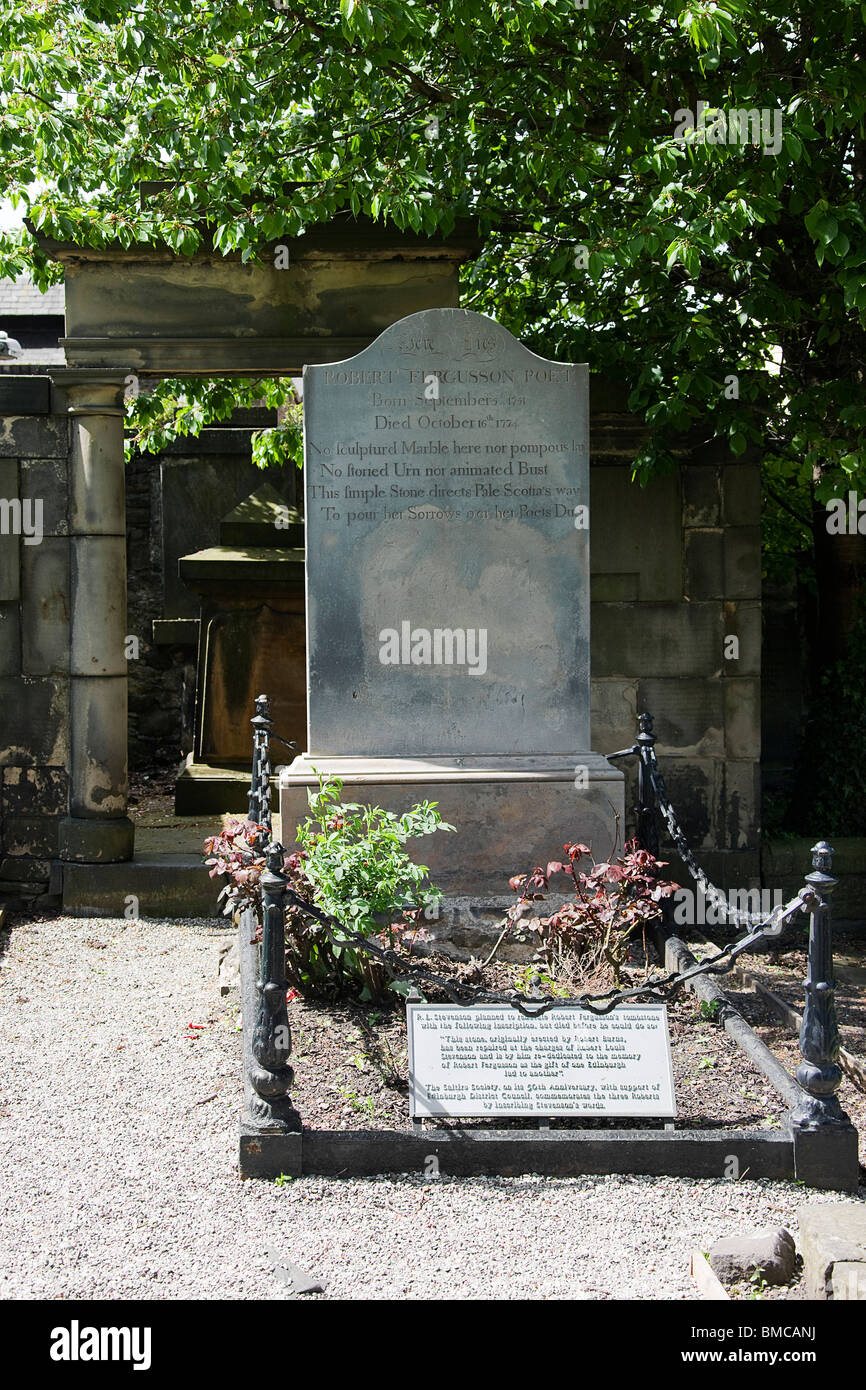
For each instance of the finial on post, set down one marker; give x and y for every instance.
(645, 728)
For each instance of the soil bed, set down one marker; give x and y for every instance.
(350, 1063)
(783, 970)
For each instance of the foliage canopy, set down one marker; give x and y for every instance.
(672, 264)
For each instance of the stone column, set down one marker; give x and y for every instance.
(98, 829)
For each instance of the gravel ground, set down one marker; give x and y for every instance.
(118, 1174)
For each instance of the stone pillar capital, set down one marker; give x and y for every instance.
(92, 391)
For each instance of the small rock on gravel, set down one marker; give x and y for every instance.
(770, 1253)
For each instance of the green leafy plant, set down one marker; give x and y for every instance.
(532, 977)
(710, 1009)
(758, 1285)
(589, 937)
(176, 407)
(353, 865)
(364, 1105)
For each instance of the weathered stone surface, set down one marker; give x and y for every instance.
(725, 868)
(102, 842)
(848, 1281)
(98, 568)
(614, 714)
(35, 721)
(743, 562)
(447, 485)
(225, 441)
(450, 511)
(831, 1234)
(202, 789)
(657, 639)
(789, 856)
(701, 495)
(739, 795)
(162, 680)
(17, 870)
(99, 776)
(705, 567)
(741, 493)
(342, 279)
(96, 460)
(465, 929)
(743, 621)
(195, 492)
(742, 700)
(33, 436)
(46, 607)
(692, 787)
(229, 967)
(9, 544)
(24, 395)
(623, 542)
(165, 885)
(254, 641)
(688, 715)
(33, 800)
(615, 588)
(45, 480)
(769, 1253)
(22, 895)
(10, 639)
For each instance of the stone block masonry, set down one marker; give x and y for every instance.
(34, 638)
(687, 581)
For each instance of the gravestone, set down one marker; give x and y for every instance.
(447, 522)
(251, 637)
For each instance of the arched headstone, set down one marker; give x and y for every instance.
(448, 532)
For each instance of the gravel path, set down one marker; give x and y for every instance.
(118, 1159)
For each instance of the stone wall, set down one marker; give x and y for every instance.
(34, 639)
(676, 573)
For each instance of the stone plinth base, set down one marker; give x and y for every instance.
(86, 841)
(511, 813)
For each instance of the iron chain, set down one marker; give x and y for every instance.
(462, 993)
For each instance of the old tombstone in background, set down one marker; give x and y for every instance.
(251, 634)
(447, 514)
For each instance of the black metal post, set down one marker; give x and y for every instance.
(646, 831)
(819, 1073)
(645, 811)
(260, 782)
(270, 1075)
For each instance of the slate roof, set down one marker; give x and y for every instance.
(20, 299)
